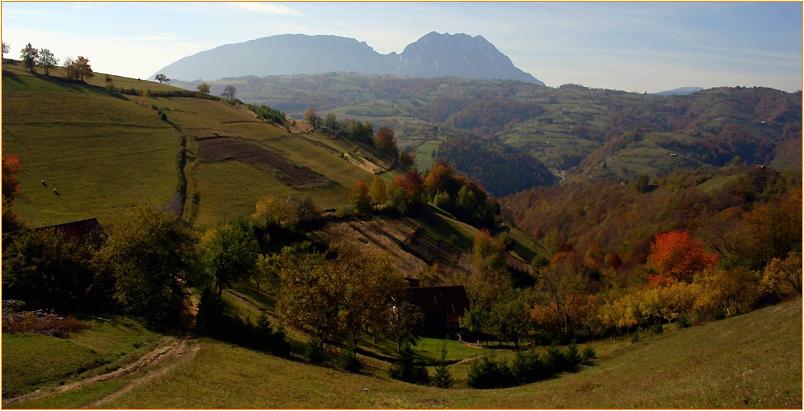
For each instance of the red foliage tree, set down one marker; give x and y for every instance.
(11, 166)
(384, 140)
(676, 256)
(413, 185)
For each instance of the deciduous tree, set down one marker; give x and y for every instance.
(45, 269)
(378, 192)
(384, 140)
(360, 198)
(29, 55)
(152, 257)
(230, 253)
(336, 300)
(47, 60)
(676, 255)
(312, 119)
(229, 92)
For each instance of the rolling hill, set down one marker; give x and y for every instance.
(204, 159)
(207, 160)
(574, 131)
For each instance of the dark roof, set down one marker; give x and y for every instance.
(451, 299)
(79, 230)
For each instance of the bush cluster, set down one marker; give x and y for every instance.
(406, 369)
(267, 113)
(527, 367)
(212, 321)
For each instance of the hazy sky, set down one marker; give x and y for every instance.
(627, 46)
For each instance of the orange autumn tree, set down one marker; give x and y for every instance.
(677, 256)
(384, 140)
(11, 165)
(360, 198)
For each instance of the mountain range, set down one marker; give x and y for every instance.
(433, 55)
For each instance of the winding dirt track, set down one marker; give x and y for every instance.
(145, 378)
(168, 347)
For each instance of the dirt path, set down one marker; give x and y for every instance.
(251, 304)
(182, 349)
(168, 347)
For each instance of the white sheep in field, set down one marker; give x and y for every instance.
(44, 183)
(55, 191)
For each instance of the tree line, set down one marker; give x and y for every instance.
(441, 186)
(361, 133)
(75, 68)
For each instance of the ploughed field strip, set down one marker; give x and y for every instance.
(217, 149)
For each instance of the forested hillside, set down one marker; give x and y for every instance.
(574, 131)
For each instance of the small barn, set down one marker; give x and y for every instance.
(443, 307)
(82, 231)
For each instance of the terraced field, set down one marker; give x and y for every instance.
(99, 153)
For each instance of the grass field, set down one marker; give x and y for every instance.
(31, 361)
(750, 361)
(104, 153)
(230, 189)
(101, 153)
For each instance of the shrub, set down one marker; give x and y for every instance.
(407, 370)
(529, 367)
(212, 321)
(555, 360)
(488, 373)
(781, 278)
(442, 377)
(348, 360)
(588, 355)
(315, 351)
(210, 312)
(268, 338)
(572, 358)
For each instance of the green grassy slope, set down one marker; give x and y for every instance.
(102, 153)
(230, 189)
(750, 361)
(32, 361)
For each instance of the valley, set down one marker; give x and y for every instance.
(302, 221)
